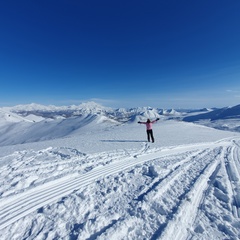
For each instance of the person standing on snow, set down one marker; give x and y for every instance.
(148, 124)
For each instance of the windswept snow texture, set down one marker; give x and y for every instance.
(104, 181)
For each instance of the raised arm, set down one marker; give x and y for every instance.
(155, 120)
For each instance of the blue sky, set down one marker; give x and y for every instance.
(170, 54)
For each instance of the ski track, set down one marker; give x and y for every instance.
(222, 191)
(194, 166)
(232, 163)
(185, 213)
(22, 204)
(159, 190)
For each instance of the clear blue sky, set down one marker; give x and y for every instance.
(120, 53)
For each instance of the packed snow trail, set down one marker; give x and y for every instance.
(185, 184)
(186, 212)
(232, 163)
(22, 204)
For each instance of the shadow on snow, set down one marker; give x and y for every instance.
(123, 141)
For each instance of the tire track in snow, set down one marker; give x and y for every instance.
(171, 175)
(16, 207)
(232, 168)
(178, 227)
(150, 205)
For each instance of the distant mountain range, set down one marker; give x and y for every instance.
(36, 112)
(217, 114)
(34, 122)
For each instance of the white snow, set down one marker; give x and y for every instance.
(7, 116)
(102, 180)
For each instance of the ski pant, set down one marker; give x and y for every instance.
(150, 135)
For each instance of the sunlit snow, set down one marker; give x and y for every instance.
(87, 172)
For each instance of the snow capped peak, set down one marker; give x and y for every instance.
(171, 112)
(93, 107)
(90, 105)
(30, 107)
(85, 107)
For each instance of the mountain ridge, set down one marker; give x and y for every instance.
(39, 122)
(222, 113)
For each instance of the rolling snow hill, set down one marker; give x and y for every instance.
(92, 175)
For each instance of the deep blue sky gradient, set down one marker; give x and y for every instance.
(120, 53)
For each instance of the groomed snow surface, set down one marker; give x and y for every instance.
(107, 182)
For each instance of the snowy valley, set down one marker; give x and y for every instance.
(87, 172)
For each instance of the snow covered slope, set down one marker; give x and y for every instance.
(225, 118)
(10, 117)
(23, 132)
(223, 113)
(109, 183)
